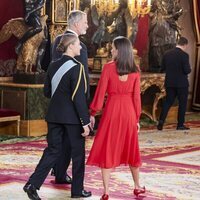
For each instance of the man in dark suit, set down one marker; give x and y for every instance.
(77, 24)
(68, 115)
(176, 65)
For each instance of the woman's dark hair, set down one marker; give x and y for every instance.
(124, 60)
(66, 40)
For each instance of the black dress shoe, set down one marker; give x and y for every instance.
(83, 194)
(160, 126)
(52, 172)
(182, 128)
(31, 191)
(67, 180)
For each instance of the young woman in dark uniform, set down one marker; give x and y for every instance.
(66, 87)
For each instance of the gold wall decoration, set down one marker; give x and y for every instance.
(59, 13)
(61, 9)
(148, 80)
(139, 7)
(105, 6)
(56, 30)
(136, 7)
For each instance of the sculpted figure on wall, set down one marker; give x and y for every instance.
(32, 11)
(101, 34)
(32, 50)
(111, 24)
(163, 31)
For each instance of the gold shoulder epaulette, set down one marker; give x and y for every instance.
(78, 82)
(84, 76)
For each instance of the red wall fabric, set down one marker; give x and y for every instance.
(141, 42)
(9, 9)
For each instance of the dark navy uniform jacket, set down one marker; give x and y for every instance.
(68, 99)
(83, 58)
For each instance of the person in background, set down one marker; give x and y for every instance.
(68, 115)
(176, 65)
(77, 24)
(116, 140)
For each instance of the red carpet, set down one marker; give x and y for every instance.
(170, 170)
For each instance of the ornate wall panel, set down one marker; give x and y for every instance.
(58, 12)
(196, 91)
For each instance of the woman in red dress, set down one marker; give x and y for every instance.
(116, 141)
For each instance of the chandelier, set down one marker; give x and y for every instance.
(136, 7)
(107, 6)
(139, 7)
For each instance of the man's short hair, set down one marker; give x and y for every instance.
(182, 41)
(75, 16)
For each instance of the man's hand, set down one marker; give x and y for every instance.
(86, 131)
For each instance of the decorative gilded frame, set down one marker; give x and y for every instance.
(61, 9)
(43, 10)
(196, 105)
(97, 64)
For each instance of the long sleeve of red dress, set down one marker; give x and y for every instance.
(137, 97)
(98, 100)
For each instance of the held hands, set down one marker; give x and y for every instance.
(86, 131)
(92, 121)
(91, 126)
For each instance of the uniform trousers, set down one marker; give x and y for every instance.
(53, 151)
(62, 164)
(182, 95)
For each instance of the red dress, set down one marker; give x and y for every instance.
(116, 140)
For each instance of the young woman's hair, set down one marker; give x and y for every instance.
(66, 40)
(124, 60)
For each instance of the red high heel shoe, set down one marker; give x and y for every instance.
(104, 197)
(139, 191)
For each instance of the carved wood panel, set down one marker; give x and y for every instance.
(15, 100)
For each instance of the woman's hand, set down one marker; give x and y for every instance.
(138, 127)
(92, 121)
